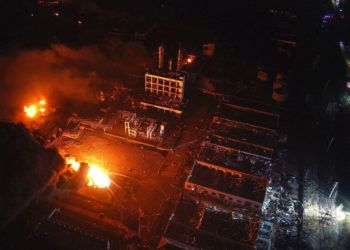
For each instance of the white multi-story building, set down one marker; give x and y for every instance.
(172, 87)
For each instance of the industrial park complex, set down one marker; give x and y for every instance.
(175, 145)
(218, 172)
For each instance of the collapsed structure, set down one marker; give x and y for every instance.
(123, 122)
(226, 187)
(142, 127)
(232, 187)
(228, 183)
(165, 92)
(165, 89)
(196, 224)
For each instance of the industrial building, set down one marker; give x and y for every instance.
(231, 173)
(250, 117)
(243, 147)
(231, 187)
(164, 92)
(165, 88)
(142, 127)
(232, 165)
(75, 126)
(234, 161)
(171, 86)
(199, 225)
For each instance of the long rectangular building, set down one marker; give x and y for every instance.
(234, 161)
(232, 188)
(243, 133)
(246, 148)
(199, 225)
(256, 119)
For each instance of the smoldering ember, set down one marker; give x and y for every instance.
(174, 124)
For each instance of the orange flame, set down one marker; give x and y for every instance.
(73, 164)
(98, 177)
(32, 110)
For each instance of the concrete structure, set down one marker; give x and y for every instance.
(142, 127)
(100, 123)
(234, 161)
(232, 170)
(179, 60)
(199, 225)
(250, 117)
(164, 92)
(172, 86)
(242, 147)
(160, 57)
(265, 236)
(231, 187)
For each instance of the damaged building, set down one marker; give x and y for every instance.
(165, 88)
(228, 183)
(138, 126)
(196, 224)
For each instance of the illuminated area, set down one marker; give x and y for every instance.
(97, 177)
(73, 164)
(32, 110)
(340, 214)
(315, 211)
(190, 59)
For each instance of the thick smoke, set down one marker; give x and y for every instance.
(26, 169)
(63, 73)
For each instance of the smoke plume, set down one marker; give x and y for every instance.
(26, 169)
(63, 73)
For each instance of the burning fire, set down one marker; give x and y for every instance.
(190, 59)
(73, 164)
(96, 177)
(32, 110)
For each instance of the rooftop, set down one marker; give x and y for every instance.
(229, 183)
(240, 132)
(249, 116)
(235, 161)
(163, 101)
(200, 225)
(171, 75)
(243, 147)
(251, 104)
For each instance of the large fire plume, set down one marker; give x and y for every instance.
(67, 76)
(32, 110)
(96, 177)
(73, 164)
